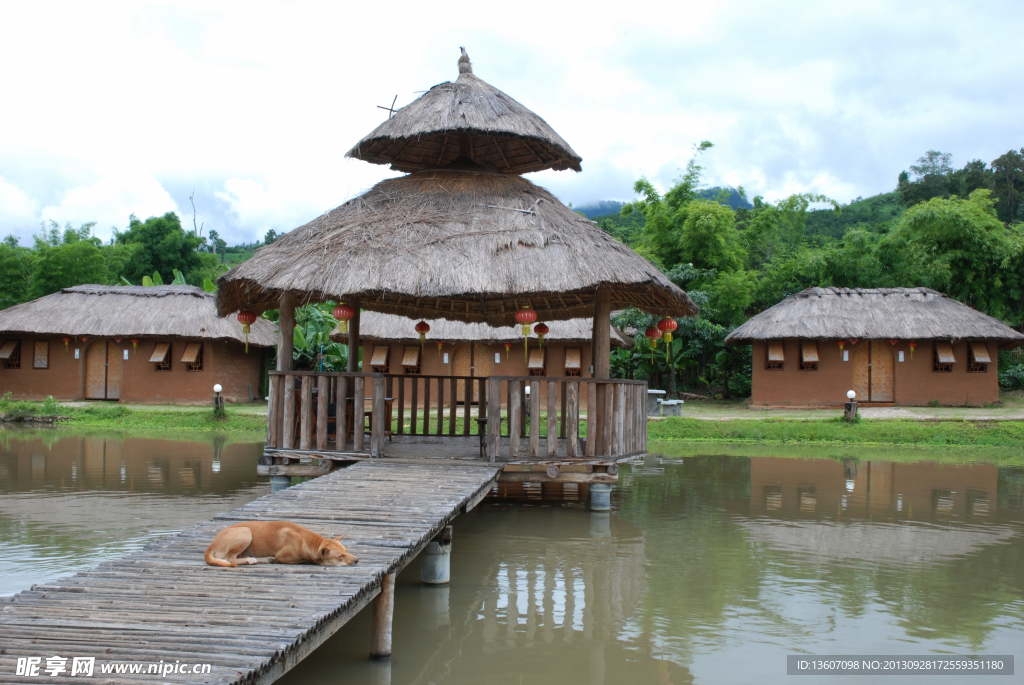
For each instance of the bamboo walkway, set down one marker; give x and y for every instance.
(252, 623)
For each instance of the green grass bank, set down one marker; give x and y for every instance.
(836, 431)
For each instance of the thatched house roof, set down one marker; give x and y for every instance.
(470, 119)
(464, 242)
(462, 245)
(131, 311)
(874, 314)
(375, 327)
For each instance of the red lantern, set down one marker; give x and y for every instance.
(541, 330)
(247, 319)
(667, 325)
(117, 340)
(135, 343)
(422, 328)
(840, 343)
(893, 342)
(911, 345)
(653, 333)
(84, 338)
(66, 340)
(526, 316)
(343, 313)
(854, 341)
(507, 347)
(439, 346)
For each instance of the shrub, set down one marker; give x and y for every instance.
(1011, 379)
(51, 407)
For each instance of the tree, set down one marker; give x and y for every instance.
(65, 259)
(1009, 184)
(270, 237)
(933, 168)
(163, 245)
(15, 273)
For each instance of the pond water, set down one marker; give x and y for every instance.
(710, 568)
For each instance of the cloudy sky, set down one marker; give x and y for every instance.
(117, 108)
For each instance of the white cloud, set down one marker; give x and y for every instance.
(18, 212)
(256, 104)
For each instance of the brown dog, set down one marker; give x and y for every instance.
(277, 542)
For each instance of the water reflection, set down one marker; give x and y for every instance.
(70, 501)
(712, 569)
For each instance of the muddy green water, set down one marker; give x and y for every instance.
(710, 569)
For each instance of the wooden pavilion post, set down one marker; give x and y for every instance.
(601, 359)
(286, 327)
(353, 339)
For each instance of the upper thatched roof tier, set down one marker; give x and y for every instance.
(376, 327)
(460, 245)
(131, 311)
(469, 119)
(875, 314)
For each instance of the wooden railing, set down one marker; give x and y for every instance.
(569, 417)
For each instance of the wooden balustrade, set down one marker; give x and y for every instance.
(311, 411)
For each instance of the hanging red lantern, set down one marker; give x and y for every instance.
(667, 325)
(911, 345)
(117, 340)
(66, 340)
(508, 346)
(541, 330)
(247, 319)
(840, 343)
(422, 328)
(854, 341)
(343, 313)
(135, 343)
(439, 345)
(653, 333)
(526, 316)
(893, 342)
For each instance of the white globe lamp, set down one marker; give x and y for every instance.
(217, 388)
(851, 394)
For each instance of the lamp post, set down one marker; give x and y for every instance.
(218, 400)
(850, 413)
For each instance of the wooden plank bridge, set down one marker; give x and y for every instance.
(253, 623)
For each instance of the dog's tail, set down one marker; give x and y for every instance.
(214, 561)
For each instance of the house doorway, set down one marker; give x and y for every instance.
(470, 360)
(103, 371)
(873, 371)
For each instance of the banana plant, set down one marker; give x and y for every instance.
(312, 345)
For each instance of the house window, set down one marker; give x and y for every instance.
(411, 360)
(942, 357)
(379, 362)
(536, 361)
(161, 357)
(776, 356)
(978, 357)
(11, 354)
(808, 355)
(573, 359)
(193, 357)
(41, 355)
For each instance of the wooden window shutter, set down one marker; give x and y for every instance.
(41, 358)
(8, 348)
(810, 349)
(572, 357)
(945, 353)
(980, 352)
(380, 355)
(536, 358)
(160, 353)
(776, 351)
(411, 356)
(191, 352)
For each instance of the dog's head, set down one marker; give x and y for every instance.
(333, 553)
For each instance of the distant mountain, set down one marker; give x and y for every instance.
(601, 208)
(733, 199)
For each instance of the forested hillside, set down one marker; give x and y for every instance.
(955, 230)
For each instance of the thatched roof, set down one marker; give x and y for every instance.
(131, 311)
(454, 244)
(469, 119)
(875, 314)
(374, 327)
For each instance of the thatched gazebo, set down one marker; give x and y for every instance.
(130, 343)
(462, 237)
(906, 346)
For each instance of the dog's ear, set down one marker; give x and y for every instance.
(338, 539)
(325, 550)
